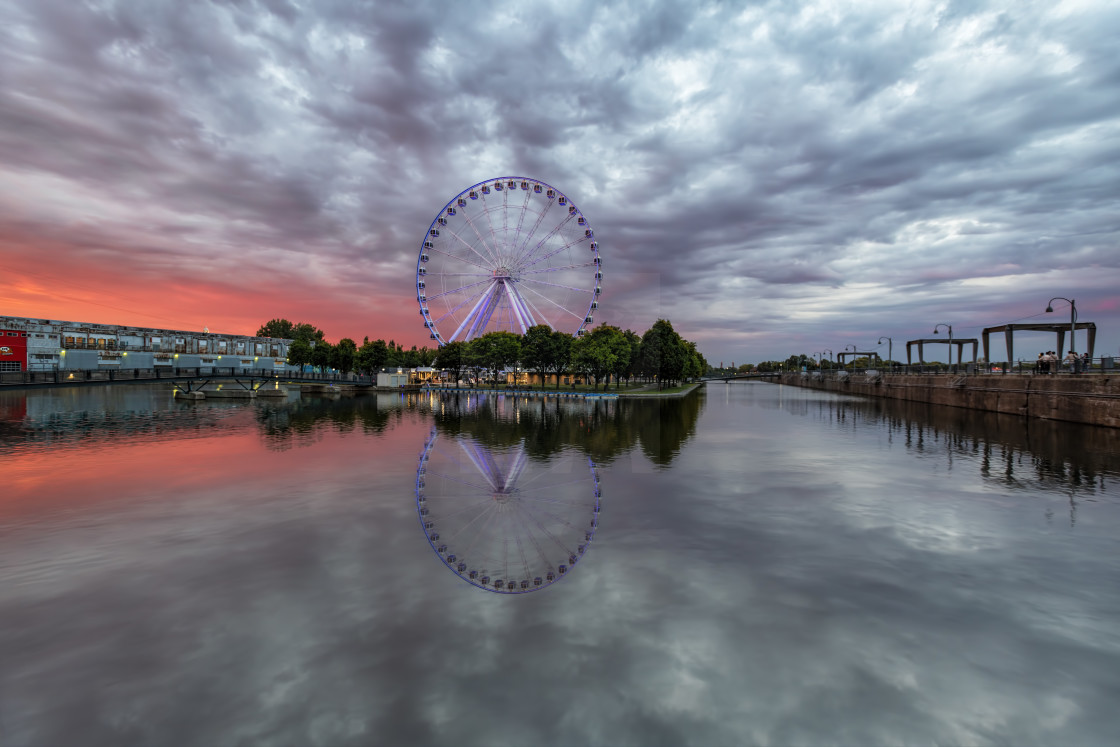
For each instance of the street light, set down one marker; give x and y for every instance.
(890, 345)
(830, 365)
(1072, 319)
(950, 326)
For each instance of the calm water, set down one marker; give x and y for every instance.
(770, 565)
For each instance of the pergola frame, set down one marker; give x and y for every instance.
(959, 344)
(856, 354)
(1059, 328)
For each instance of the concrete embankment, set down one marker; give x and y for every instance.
(1092, 399)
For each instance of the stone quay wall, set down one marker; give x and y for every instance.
(1093, 399)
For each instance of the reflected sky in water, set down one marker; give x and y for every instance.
(773, 565)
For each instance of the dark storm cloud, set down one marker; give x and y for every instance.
(745, 157)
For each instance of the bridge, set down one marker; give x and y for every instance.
(737, 377)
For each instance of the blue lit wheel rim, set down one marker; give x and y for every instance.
(503, 521)
(506, 254)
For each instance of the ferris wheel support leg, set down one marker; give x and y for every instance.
(520, 460)
(524, 318)
(485, 312)
(485, 465)
(471, 316)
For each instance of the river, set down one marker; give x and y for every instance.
(751, 564)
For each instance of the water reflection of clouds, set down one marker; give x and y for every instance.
(739, 597)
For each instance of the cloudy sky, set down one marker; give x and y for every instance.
(774, 178)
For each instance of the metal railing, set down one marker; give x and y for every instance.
(169, 373)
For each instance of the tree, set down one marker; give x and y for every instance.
(286, 330)
(663, 353)
(695, 365)
(299, 353)
(495, 351)
(321, 355)
(308, 332)
(452, 357)
(600, 352)
(634, 363)
(281, 328)
(342, 355)
(371, 356)
(561, 360)
(539, 349)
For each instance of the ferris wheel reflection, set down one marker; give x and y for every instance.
(503, 520)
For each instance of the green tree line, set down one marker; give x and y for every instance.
(602, 354)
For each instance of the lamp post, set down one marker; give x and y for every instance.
(1072, 320)
(829, 351)
(950, 326)
(890, 346)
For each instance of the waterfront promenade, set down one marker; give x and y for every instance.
(1092, 399)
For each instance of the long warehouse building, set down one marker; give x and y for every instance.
(50, 345)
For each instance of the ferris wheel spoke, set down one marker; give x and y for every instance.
(489, 250)
(460, 289)
(476, 502)
(455, 235)
(460, 259)
(491, 516)
(555, 285)
(465, 301)
(493, 234)
(556, 518)
(546, 532)
(550, 255)
(562, 308)
(521, 218)
(449, 478)
(520, 250)
(537, 546)
(505, 212)
(538, 315)
(590, 263)
(564, 221)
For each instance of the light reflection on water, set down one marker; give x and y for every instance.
(773, 565)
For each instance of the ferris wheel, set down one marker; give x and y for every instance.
(503, 521)
(504, 255)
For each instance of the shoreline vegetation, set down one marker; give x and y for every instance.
(597, 356)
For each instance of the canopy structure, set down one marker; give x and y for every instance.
(856, 354)
(1059, 329)
(942, 341)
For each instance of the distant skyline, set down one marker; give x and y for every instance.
(775, 178)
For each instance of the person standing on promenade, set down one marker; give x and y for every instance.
(1072, 360)
(1040, 364)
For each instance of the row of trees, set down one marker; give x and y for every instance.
(604, 352)
(808, 363)
(310, 348)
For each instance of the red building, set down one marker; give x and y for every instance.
(13, 350)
